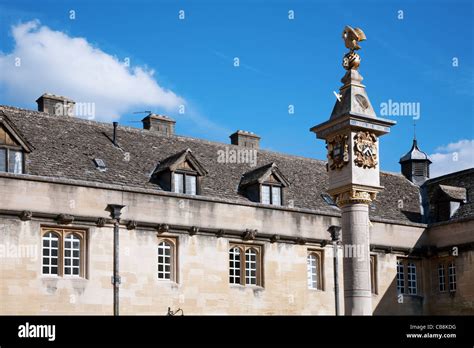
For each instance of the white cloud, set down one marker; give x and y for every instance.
(54, 62)
(452, 158)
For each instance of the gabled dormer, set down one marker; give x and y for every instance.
(180, 173)
(265, 185)
(447, 200)
(13, 148)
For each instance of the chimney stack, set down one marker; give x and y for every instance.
(246, 139)
(159, 124)
(56, 105)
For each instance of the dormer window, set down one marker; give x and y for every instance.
(271, 194)
(11, 160)
(185, 183)
(12, 149)
(447, 200)
(180, 173)
(265, 185)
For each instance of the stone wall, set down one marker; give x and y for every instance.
(202, 286)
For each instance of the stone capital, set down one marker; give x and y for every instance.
(353, 196)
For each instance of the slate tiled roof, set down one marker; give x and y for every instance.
(65, 147)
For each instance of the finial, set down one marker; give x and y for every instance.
(351, 38)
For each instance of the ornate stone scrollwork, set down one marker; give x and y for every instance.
(338, 151)
(365, 150)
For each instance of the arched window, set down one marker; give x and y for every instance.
(234, 265)
(72, 255)
(245, 265)
(251, 267)
(50, 253)
(64, 252)
(166, 260)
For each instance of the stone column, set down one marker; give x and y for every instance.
(356, 256)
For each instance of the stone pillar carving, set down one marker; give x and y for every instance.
(352, 140)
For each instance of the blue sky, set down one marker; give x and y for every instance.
(282, 62)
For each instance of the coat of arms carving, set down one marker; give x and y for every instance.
(365, 150)
(338, 151)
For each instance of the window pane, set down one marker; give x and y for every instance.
(15, 164)
(276, 195)
(50, 252)
(72, 247)
(411, 278)
(400, 278)
(234, 266)
(265, 194)
(251, 267)
(452, 276)
(178, 183)
(441, 278)
(165, 268)
(3, 160)
(190, 184)
(312, 264)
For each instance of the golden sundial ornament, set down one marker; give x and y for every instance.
(365, 150)
(352, 37)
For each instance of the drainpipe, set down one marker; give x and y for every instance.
(115, 212)
(335, 232)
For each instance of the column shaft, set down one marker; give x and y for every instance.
(356, 259)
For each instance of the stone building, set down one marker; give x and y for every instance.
(208, 227)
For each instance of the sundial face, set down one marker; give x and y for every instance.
(362, 101)
(365, 150)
